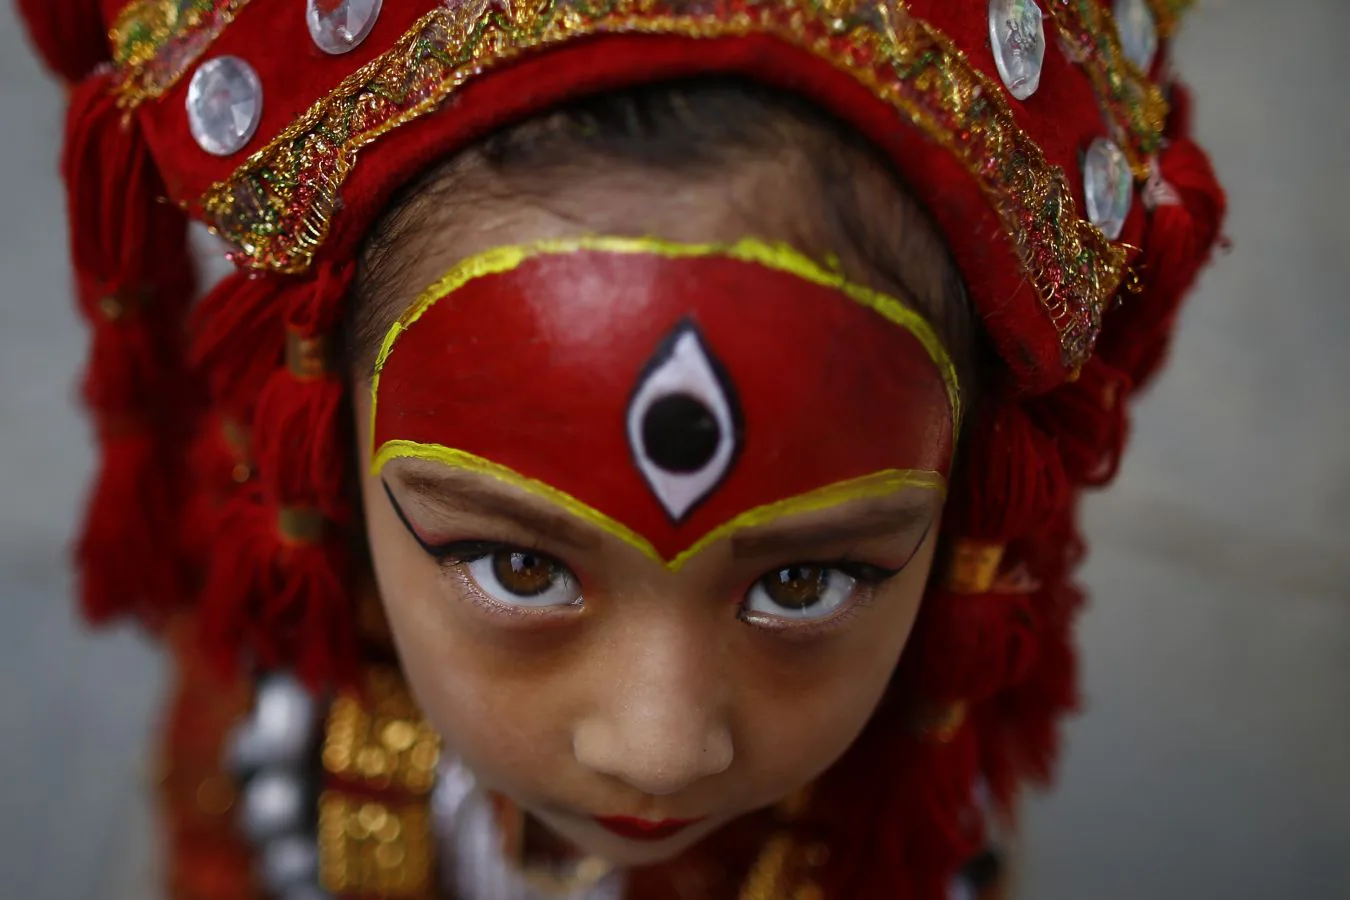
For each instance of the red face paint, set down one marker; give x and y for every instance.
(669, 389)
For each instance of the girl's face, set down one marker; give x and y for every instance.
(564, 657)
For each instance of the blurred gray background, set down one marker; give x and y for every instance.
(1213, 760)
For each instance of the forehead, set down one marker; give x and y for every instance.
(666, 392)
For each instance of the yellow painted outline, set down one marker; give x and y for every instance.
(878, 484)
(778, 257)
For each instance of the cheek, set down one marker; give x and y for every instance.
(810, 703)
(489, 697)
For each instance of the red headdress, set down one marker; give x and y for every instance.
(1052, 150)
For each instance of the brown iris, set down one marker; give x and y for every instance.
(523, 574)
(797, 587)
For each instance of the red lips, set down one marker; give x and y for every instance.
(643, 829)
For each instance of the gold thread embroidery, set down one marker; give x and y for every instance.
(278, 206)
(1133, 102)
(155, 42)
(778, 257)
(878, 484)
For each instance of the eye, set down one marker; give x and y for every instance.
(801, 592)
(684, 422)
(515, 577)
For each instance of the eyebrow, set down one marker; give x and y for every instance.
(875, 520)
(472, 500)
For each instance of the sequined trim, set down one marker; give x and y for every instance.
(1132, 100)
(155, 42)
(277, 207)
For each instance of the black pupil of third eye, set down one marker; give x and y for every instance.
(680, 433)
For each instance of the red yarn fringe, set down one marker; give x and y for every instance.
(134, 278)
(968, 647)
(1014, 480)
(899, 813)
(68, 34)
(301, 446)
(1089, 421)
(273, 603)
(121, 562)
(239, 339)
(1188, 209)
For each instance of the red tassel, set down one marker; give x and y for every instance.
(134, 278)
(899, 813)
(277, 601)
(126, 240)
(1088, 420)
(274, 598)
(1020, 727)
(1188, 207)
(1014, 479)
(239, 339)
(970, 646)
(219, 465)
(124, 566)
(68, 34)
(300, 439)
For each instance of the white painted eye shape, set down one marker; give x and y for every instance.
(522, 578)
(800, 593)
(684, 425)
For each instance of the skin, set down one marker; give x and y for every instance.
(658, 695)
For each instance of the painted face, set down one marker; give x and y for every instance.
(652, 522)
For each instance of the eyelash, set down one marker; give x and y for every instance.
(452, 556)
(870, 580)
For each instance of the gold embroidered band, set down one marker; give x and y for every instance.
(155, 42)
(904, 61)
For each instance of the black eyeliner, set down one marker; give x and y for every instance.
(864, 572)
(460, 551)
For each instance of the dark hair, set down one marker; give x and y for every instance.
(699, 129)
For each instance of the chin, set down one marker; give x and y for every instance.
(591, 838)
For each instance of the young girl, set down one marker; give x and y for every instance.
(650, 431)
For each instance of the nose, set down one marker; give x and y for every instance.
(661, 725)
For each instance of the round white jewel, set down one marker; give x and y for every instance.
(224, 105)
(338, 26)
(1017, 34)
(1138, 31)
(1108, 185)
(273, 805)
(290, 862)
(280, 731)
